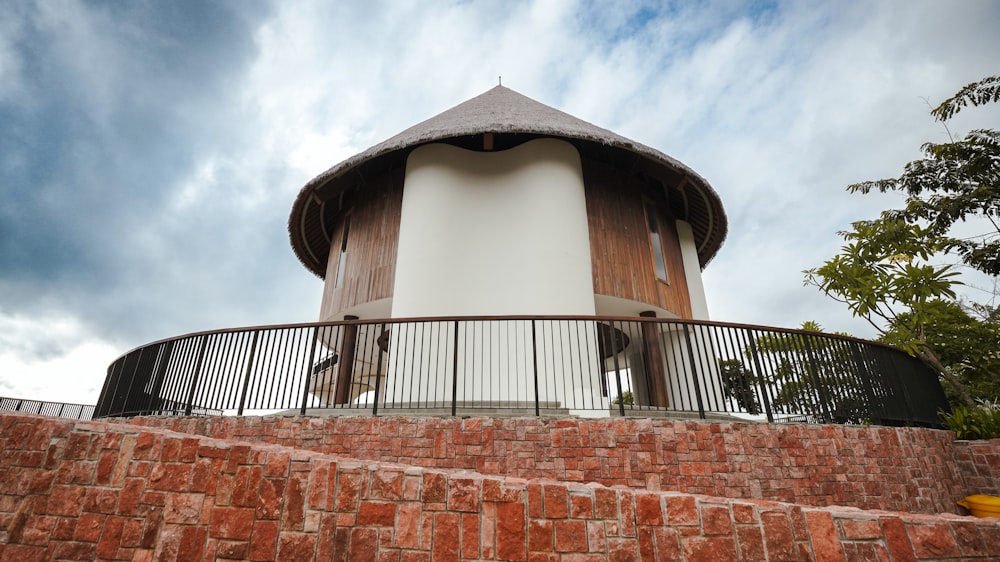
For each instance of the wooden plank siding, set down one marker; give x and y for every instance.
(373, 236)
(620, 249)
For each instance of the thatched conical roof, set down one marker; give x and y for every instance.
(501, 111)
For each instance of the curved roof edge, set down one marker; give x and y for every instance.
(499, 110)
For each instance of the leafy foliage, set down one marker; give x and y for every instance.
(882, 271)
(882, 274)
(968, 346)
(954, 181)
(814, 376)
(981, 421)
(738, 384)
(803, 375)
(982, 92)
(626, 398)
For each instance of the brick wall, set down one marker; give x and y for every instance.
(979, 464)
(92, 490)
(894, 469)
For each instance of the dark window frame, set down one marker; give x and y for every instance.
(657, 245)
(342, 259)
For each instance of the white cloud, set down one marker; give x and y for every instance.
(779, 111)
(52, 358)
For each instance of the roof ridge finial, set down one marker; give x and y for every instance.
(500, 80)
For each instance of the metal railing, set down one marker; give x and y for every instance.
(584, 366)
(57, 409)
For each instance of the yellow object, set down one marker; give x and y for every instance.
(981, 505)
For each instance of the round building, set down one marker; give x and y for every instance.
(503, 206)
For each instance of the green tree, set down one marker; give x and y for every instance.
(738, 383)
(802, 375)
(968, 346)
(816, 376)
(883, 272)
(955, 180)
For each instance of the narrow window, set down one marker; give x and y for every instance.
(343, 253)
(659, 258)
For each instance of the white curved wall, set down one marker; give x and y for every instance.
(692, 271)
(492, 233)
(486, 233)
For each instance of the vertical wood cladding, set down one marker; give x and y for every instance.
(620, 249)
(370, 260)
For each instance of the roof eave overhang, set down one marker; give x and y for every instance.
(475, 117)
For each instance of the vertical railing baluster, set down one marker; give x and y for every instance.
(907, 402)
(106, 401)
(618, 374)
(156, 388)
(824, 400)
(246, 373)
(765, 395)
(309, 362)
(135, 371)
(694, 373)
(454, 370)
(197, 372)
(534, 362)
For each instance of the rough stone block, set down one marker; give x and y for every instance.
(380, 514)
(464, 494)
(170, 476)
(681, 510)
(511, 531)
(231, 523)
(570, 536)
(716, 520)
(296, 546)
(264, 540)
(932, 541)
(648, 509)
(66, 500)
(711, 549)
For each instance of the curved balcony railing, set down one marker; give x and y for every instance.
(584, 366)
(57, 409)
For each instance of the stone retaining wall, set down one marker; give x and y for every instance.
(93, 490)
(895, 469)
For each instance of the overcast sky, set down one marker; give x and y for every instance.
(150, 151)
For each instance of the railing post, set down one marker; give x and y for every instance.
(534, 361)
(203, 343)
(694, 372)
(345, 370)
(308, 374)
(454, 370)
(764, 396)
(618, 375)
(378, 372)
(246, 374)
